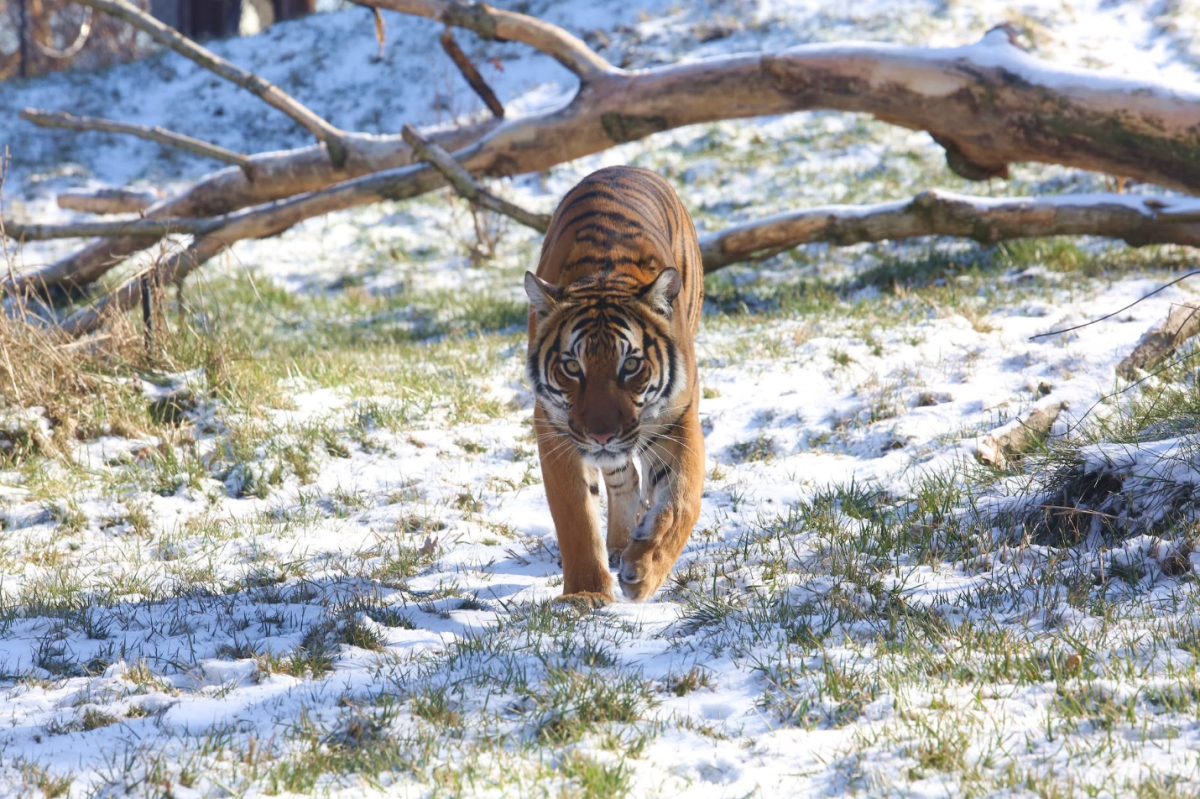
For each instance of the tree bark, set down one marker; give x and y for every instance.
(108, 201)
(1135, 219)
(470, 73)
(988, 104)
(278, 175)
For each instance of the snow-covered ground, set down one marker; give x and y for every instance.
(326, 567)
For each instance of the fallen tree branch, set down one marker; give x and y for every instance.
(108, 201)
(279, 175)
(261, 222)
(1161, 341)
(466, 186)
(61, 119)
(147, 228)
(930, 213)
(1137, 220)
(470, 74)
(269, 93)
(988, 104)
(507, 26)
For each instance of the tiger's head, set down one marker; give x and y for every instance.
(603, 360)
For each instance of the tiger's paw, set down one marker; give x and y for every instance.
(644, 567)
(585, 600)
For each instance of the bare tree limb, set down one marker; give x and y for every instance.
(466, 186)
(147, 228)
(264, 89)
(260, 222)
(472, 76)
(499, 25)
(988, 104)
(61, 119)
(1112, 215)
(1134, 219)
(380, 31)
(108, 200)
(1161, 341)
(279, 175)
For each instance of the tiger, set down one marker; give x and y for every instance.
(613, 310)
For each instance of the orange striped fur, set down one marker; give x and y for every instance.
(613, 313)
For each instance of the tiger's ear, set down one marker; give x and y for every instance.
(665, 288)
(543, 296)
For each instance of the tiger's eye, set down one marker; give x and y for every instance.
(631, 365)
(572, 368)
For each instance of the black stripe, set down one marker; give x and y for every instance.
(670, 367)
(612, 216)
(601, 190)
(607, 262)
(658, 476)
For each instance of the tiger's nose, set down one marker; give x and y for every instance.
(602, 437)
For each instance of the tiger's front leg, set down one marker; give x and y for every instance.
(624, 501)
(573, 492)
(674, 482)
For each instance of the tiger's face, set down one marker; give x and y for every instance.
(603, 361)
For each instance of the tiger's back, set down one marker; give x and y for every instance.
(624, 222)
(614, 307)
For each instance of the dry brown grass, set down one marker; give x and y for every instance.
(82, 389)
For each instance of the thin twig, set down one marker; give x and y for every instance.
(1119, 310)
(264, 89)
(465, 185)
(500, 25)
(380, 31)
(61, 119)
(85, 30)
(146, 283)
(471, 74)
(1129, 387)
